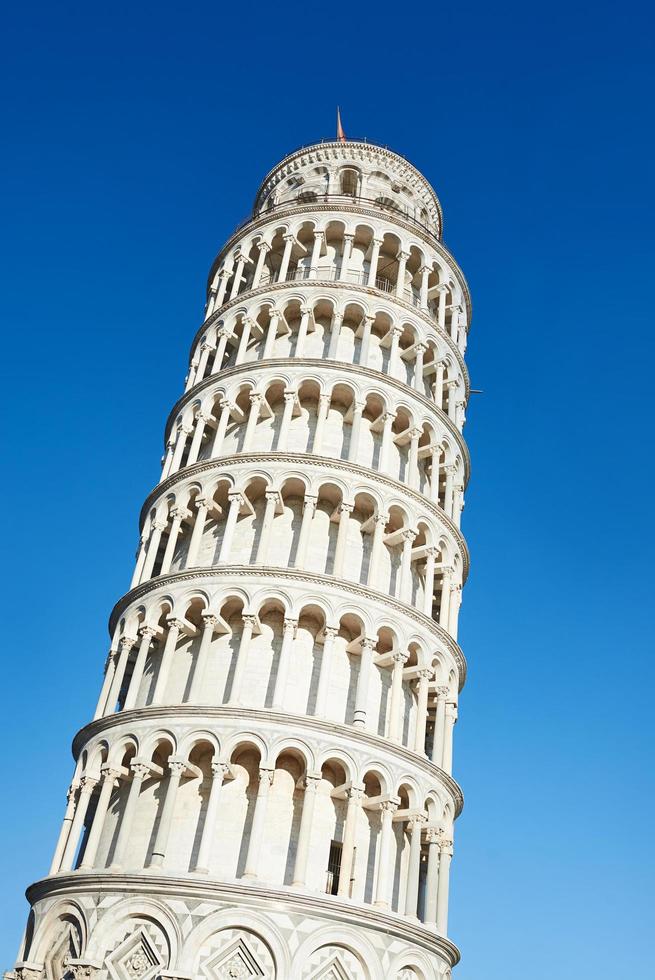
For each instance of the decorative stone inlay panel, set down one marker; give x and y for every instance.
(235, 954)
(137, 957)
(334, 963)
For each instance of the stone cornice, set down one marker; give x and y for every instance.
(203, 888)
(273, 287)
(186, 712)
(319, 462)
(263, 572)
(318, 364)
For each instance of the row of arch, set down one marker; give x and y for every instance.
(318, 327)
(275, 813)
(74, 939)
(296, 660)
(322, 417)
(343, 250)
(318, 527)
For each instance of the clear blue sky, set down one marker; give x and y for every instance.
(135, 137)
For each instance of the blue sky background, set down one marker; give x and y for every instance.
(135, 138)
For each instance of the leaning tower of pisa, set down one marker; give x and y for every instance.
(265, 787)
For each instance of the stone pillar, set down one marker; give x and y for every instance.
(139, 772)
(439, 726)
(455, 603)
(286, 257)
(411, 894)
(400, 281)
(238, 276)
(428, 588)
(311, 783)
(87, 785)
(323, 409)
(387, 438)
(446, 854)
(210, 623)
(175, 627)
(438, 385)
(418, 368)
(109, 777)
(448, 493)
(316, 254)
(64, 833)
(397, 700)
(412, 465)
(244, 340)
(324, 673)
(385, 864)
(202, 362)
(140, 562)
(432, 881)
(425, 275)
(444, 604)
(201, 422)
(434, 475)
(223, 338)
(306, 312)
(153, 548)
(178, 514)
(421, 709)
(364, 349)
(224, 276)
(363, 680)
(358, 408)
(242, 657)
(271, 334)
(258, 823)
(406, 566)
(452, 400)
(345, 510)
(110, 670)
(283, 437)
(334, 335)
(393, 351)
(176, 769)
(289, 633)
(345, 257)
(180, 442)
(219, 435)
(441, 313)
(197, 533)
(373, 265)
(380, 522)
(272, 497)
(255, 408)
(449, 724)
(261, 258)
(308, 510)
(236, 501)
(125, 645)
(147, 635)
(219, 771)
(355, 797)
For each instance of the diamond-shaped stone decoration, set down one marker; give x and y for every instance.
(237, 962)
(134, 959)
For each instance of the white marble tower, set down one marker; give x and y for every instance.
(265, 788)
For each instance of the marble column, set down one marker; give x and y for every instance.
(355, 798)
(176, 769)
(219, 771)
(311, 784)
(258, 823)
